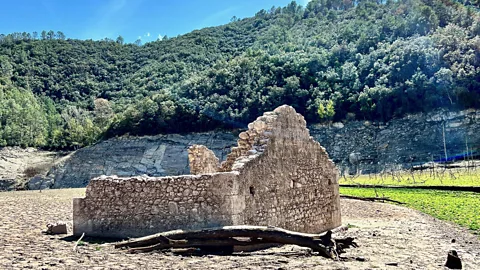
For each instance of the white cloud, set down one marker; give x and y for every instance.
(139, 37)
(148, 34)
(160, 36)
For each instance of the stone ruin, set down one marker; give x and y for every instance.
(278, 175)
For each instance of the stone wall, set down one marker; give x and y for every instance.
(132, 207)
(202, 160)
(279, 176)
(286, 177)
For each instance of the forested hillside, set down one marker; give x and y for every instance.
(332, 60)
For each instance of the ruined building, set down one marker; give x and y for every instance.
(277, 175)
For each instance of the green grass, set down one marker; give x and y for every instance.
(425, 178)
(462, 208)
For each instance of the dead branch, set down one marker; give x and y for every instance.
(228, 237)
(78, 242)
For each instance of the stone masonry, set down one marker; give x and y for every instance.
(278, 175)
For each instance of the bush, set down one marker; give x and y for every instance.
(30, 172)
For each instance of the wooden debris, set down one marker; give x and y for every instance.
(78, 242)
(228, 237)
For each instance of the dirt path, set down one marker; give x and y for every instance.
(385, 233)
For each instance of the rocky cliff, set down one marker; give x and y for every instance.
(367, 147)
(356, 146)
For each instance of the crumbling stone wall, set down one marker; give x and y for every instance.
(132, 207)
(202, 160)
(287, 178)
(277, 175)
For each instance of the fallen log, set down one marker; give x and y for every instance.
(197, 243)
(370, 199)
(230, 236)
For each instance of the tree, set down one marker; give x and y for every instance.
(103, 113)
(6, 68)
(21, 117)
(120, 40)
(44, 35)
(60, 35)
(50, 35)
(326, 110)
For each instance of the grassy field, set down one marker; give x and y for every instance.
(462, 208)
(425, 178)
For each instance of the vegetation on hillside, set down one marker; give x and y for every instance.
(332, 60)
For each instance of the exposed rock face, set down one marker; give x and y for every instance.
(17, 165)
(400, 143)
(39, 182)
(277, 175)
(154, 156)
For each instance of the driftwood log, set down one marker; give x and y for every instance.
(228, 237)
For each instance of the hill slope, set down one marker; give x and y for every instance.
(331, 60)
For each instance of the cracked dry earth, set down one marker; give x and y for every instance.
(386, 234)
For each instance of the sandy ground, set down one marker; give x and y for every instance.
(386, 234)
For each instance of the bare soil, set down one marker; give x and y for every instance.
(386, 234)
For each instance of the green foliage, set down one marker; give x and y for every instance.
(459, 207)
(326, 112)
(330, 60)
(20, 120)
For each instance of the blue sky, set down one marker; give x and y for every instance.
(133, 19)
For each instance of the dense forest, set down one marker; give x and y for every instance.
(333, 60)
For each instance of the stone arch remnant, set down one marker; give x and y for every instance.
(278, 175)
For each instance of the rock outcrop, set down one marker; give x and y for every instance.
(39, 182)
(18, 165)
(366, 147)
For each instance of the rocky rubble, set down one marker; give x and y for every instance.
(39, 182)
